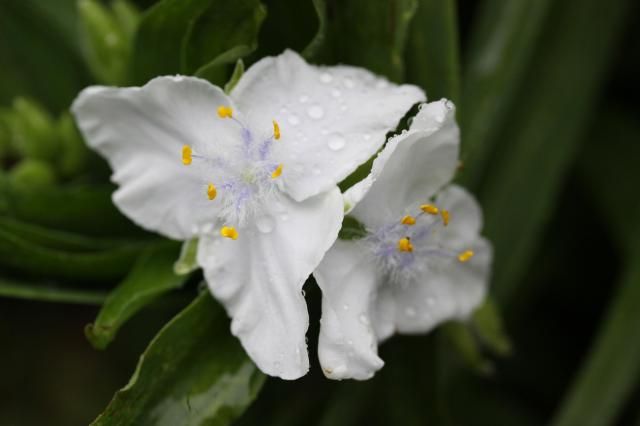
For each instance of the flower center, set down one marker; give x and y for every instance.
(241, 180)
(406, 246)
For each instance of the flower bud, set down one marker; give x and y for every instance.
(32, 130)
(32, 173)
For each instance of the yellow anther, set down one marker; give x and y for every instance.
(277, 172)
(225, 111)
(276, 130)
(211, 191)
(186, 155)
(465, 255)
(408, 220)
(445, 216)
(429, 208)
(229, 232)
(404, 244)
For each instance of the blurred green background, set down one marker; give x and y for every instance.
(547, 102)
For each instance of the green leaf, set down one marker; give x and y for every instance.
(82, 209)
(316, 44)
(20, 254)
(612, 368)
(39, 54)
(487, 325)
(238, 71)
(502, 45)
(187, 261)
(183, 36)
(382, 27)
(106, 40)
(463, 342)
(608, 165)
(193, 373)
(49, 292)
(432, 55)
(351, 229)
(225, 26)
(543, 133)
(150, 277)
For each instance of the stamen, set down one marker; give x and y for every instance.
(408, 220)
(445, 216)
(404, 244)
(429, 208)
(465, 256)
(225, 112)
(212, 191)
(229, 232)
(186, 155)
(276, 130)
(277, 172)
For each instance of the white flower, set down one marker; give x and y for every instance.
(421, 261)
(252, 174)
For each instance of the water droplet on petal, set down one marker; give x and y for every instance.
(366, 136)
(325, 77)
(265, 224)
(382, 84)
(350, 342)
(284, 217)
(316, 171)
(336, 93)
(348, 83)
(303, 293)
(431, 301)
(336, 142)
(343, 108)
(316, 112)
(303, 99)
(345, 307)
(363, 319)
(411, 312)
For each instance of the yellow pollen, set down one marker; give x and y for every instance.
(276, 130)
(225, 112)
(465, 255)
(186, 155)
(429, 208)
(408, 220)
(445, 216)
(277, 172)
(404, 244)
(229, 232)
(212, 191)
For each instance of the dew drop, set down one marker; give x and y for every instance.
(348, 83)
(345, 307)
(366, 136)
(304, 99)
(316, 112)
(265, 224)
(363, 319)
(336, 142)
(178, 78)
(326, 77)
(350, 342)
(440, 118)
(411, 312)
(303, 293)
(343, 108)
(316, 171)
(382, 84)
(293, 120)
(431, 301)
(284, 217)
(336, 93)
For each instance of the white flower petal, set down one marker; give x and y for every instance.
(141, 132)
(348, 346)
(259, 278)
(452, 291)
(465, 218)
(332, 118)
(411, 168)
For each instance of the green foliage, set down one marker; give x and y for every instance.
(195, 36)
(193, 373)
(151, 276)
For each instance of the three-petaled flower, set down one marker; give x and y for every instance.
(252, 174)
(421, 261)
